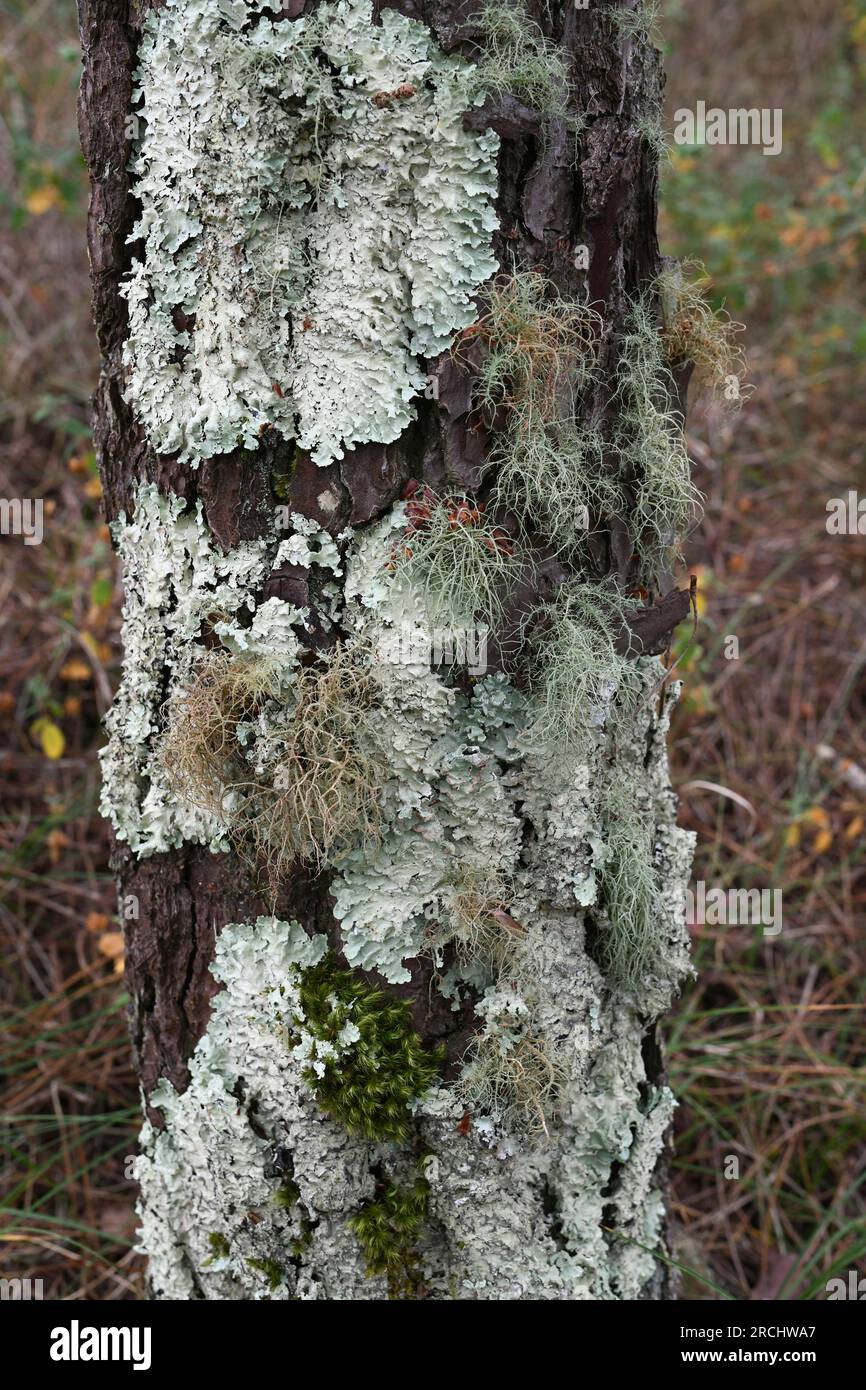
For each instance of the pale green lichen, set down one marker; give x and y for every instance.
(315, 220)
(180, 588)
(541, 1157)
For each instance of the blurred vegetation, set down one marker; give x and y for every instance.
(766, 1051)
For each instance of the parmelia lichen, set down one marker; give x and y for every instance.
(176, 584)
(315, 220)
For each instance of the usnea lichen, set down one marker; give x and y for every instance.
(518, 58)
(651, 445)
(694, 332)
(168, 764)
(315, 220)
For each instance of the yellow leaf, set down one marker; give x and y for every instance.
(111, 945)
(42, 199)
(57, 843)
(816, 815)
(823, 841)
(49, 736)
(792, 836)
(855, 828)
(96, 922)
(75, 669)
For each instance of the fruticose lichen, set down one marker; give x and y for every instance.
(693, 332)
(181, 589)
(651, 446)
(315, 220)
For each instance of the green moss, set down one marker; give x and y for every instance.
(287, 1194)
(304, 1239)
(219, 1245)
(272, 1271)
(370, 1083)
(388, 1230)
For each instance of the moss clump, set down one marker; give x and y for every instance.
(579, 682)
(461, 562)
(219, 1247)
(694, 332)
(651, 445)
(517, 58)
(388, 1230)
(287, 1194)
(373, 1064)
(272, 1271)
(629, 947)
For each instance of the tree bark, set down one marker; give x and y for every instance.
(279, 1198)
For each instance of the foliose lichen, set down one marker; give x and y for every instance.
(315, 220)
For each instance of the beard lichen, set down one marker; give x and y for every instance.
(292, 767)
(539, 358)
(580, 682)
(694, 332)
(303, 247)
(458, 560)
(518, 59)
(651, 445)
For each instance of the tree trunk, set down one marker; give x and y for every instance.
(398, 932)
